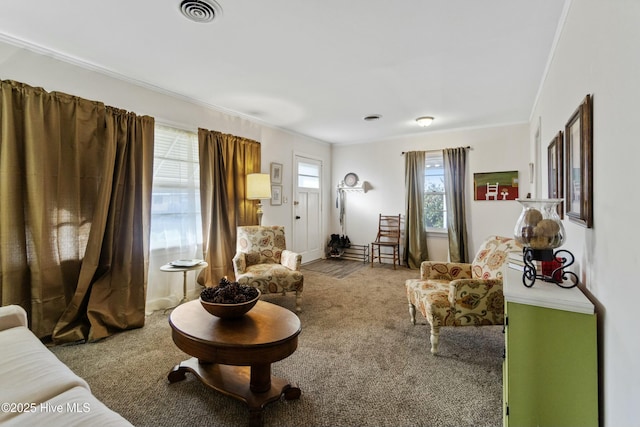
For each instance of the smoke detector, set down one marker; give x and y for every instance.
(200, 10)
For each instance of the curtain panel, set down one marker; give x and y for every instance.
(455, 168)
(415, 235)
(75, 187)
(225, 161)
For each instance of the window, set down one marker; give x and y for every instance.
(175, 204)
(435, 208)
(308, 175)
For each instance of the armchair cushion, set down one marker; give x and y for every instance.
(272, 278)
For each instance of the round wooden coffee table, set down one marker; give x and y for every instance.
(234, 356)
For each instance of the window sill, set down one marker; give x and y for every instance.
(436, 232)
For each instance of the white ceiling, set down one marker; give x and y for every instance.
(314, 67)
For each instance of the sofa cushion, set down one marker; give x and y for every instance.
(74, 407)
(12, 316)
(30, 372)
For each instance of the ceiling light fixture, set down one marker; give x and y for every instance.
(424, 121)
(200, 10)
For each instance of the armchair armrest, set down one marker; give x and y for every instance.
(291, 260)
(477, 301)
(239, 263)
(12, 316)
(444, 270)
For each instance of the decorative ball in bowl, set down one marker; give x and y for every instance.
(229, 300)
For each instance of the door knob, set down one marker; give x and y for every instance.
(297, 216)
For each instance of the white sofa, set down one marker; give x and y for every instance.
(36, 388)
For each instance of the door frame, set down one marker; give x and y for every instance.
(294, 187)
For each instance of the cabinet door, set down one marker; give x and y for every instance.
(551, 376)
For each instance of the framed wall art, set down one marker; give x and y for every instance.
(555, 171)
(276, 173)
(578, 149)
(276, 195)
(496, 185)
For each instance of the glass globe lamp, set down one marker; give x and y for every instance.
(539, 227)
(540, 230)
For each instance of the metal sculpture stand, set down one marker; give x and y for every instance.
(562, 256)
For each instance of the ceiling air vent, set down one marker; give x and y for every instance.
(200, 10)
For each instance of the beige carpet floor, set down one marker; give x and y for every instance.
(359, 362)
(335, 267)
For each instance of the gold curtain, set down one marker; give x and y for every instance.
(415, 246)
(225, 161)
(455, 167)
(75, 186)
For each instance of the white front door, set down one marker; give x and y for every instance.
(307, 209)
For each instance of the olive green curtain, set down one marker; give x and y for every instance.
(225, 161)
(75, 192)
(415, 245)
(455, 168)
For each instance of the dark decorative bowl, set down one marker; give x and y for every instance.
(230, 311)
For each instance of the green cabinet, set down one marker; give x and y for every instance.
(550, 373)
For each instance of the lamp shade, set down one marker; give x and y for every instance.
(258, 186)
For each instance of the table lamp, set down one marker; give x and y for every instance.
(258, 188)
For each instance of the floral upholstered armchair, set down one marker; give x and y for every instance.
(460, 294)
(262, 261)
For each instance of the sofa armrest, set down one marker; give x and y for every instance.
(239, 263)
(444, 270)
(291, 260)
(12, 316)
(477, 301)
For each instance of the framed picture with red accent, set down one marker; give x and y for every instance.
(496, 185)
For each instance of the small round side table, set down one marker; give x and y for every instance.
(171, 268)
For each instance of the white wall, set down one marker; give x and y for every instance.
(381, 164)
(277, 145)
(597, 54)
